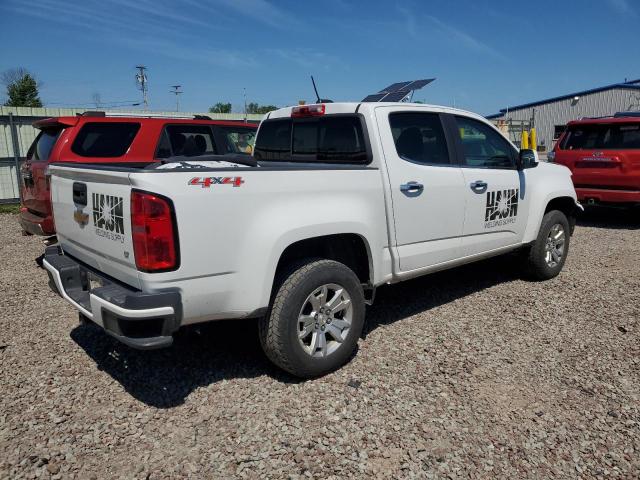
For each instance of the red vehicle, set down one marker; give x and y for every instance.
(96, 138)
(604, 157)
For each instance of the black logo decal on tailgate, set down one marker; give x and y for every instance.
(108, 216)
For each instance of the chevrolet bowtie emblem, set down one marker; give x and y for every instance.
(80, 217)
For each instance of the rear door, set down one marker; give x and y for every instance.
(427, 187)
(495, 193)
(92, 213)
(602, 156)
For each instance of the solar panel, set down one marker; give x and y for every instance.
(398, 91)
(376, 97)
(395, 87)
(396, 96)
(418, 84)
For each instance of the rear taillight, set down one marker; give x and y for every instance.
(153, 232)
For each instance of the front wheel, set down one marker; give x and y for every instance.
(545, 258)
(315, 319)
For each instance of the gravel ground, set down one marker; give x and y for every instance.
(467, 373)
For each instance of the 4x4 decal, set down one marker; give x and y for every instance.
(206, 182)
(502, 207)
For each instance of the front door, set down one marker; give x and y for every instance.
(427, 187)
(495, 191)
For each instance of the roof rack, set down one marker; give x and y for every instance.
(185, 116)
(626, 114)
(98, 113)
(596, 118)
(92, 113)
(148, 115)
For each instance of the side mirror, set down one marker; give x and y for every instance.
(527, 158)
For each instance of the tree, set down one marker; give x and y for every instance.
(220, 108)
(22, 88)
(260, 109)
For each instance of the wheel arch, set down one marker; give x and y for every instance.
(566, 205)
(563, 201)
(351, 249)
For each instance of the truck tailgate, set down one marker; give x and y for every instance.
(92, 215)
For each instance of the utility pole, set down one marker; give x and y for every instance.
(244, 93)
(141, 80)
(176, 90)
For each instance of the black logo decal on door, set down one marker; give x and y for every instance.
(108, 216)
(502, 207)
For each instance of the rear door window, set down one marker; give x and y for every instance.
(108, 139)
(43, 144)
(331, 139)
(419, 137)
(602, 137)
(186, 140)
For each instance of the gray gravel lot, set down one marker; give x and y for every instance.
(469, 373)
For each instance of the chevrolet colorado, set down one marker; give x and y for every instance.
(337, 199)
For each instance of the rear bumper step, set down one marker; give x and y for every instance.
(590, 195)
(138, 319)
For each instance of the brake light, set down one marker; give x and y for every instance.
(308, 111)
(153, 232)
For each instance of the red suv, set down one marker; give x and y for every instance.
(96, 138)
(604, 156)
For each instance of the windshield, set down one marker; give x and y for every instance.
(618, 136)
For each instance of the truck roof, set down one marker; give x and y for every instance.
(353, 107)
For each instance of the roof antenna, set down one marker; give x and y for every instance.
(318, 99)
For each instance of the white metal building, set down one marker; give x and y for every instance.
(551, 115)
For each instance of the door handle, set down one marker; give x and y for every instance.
(479, 186)
(412, 188)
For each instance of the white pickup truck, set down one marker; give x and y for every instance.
(338, 199)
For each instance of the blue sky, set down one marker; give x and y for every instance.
(485, 54)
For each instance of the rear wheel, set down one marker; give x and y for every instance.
(545, 258)
(315, 319)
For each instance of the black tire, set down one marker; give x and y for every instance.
(278, 330)
(535, 263)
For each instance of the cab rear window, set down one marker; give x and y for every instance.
(618, 136)
(104, 139)
(330, 139)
